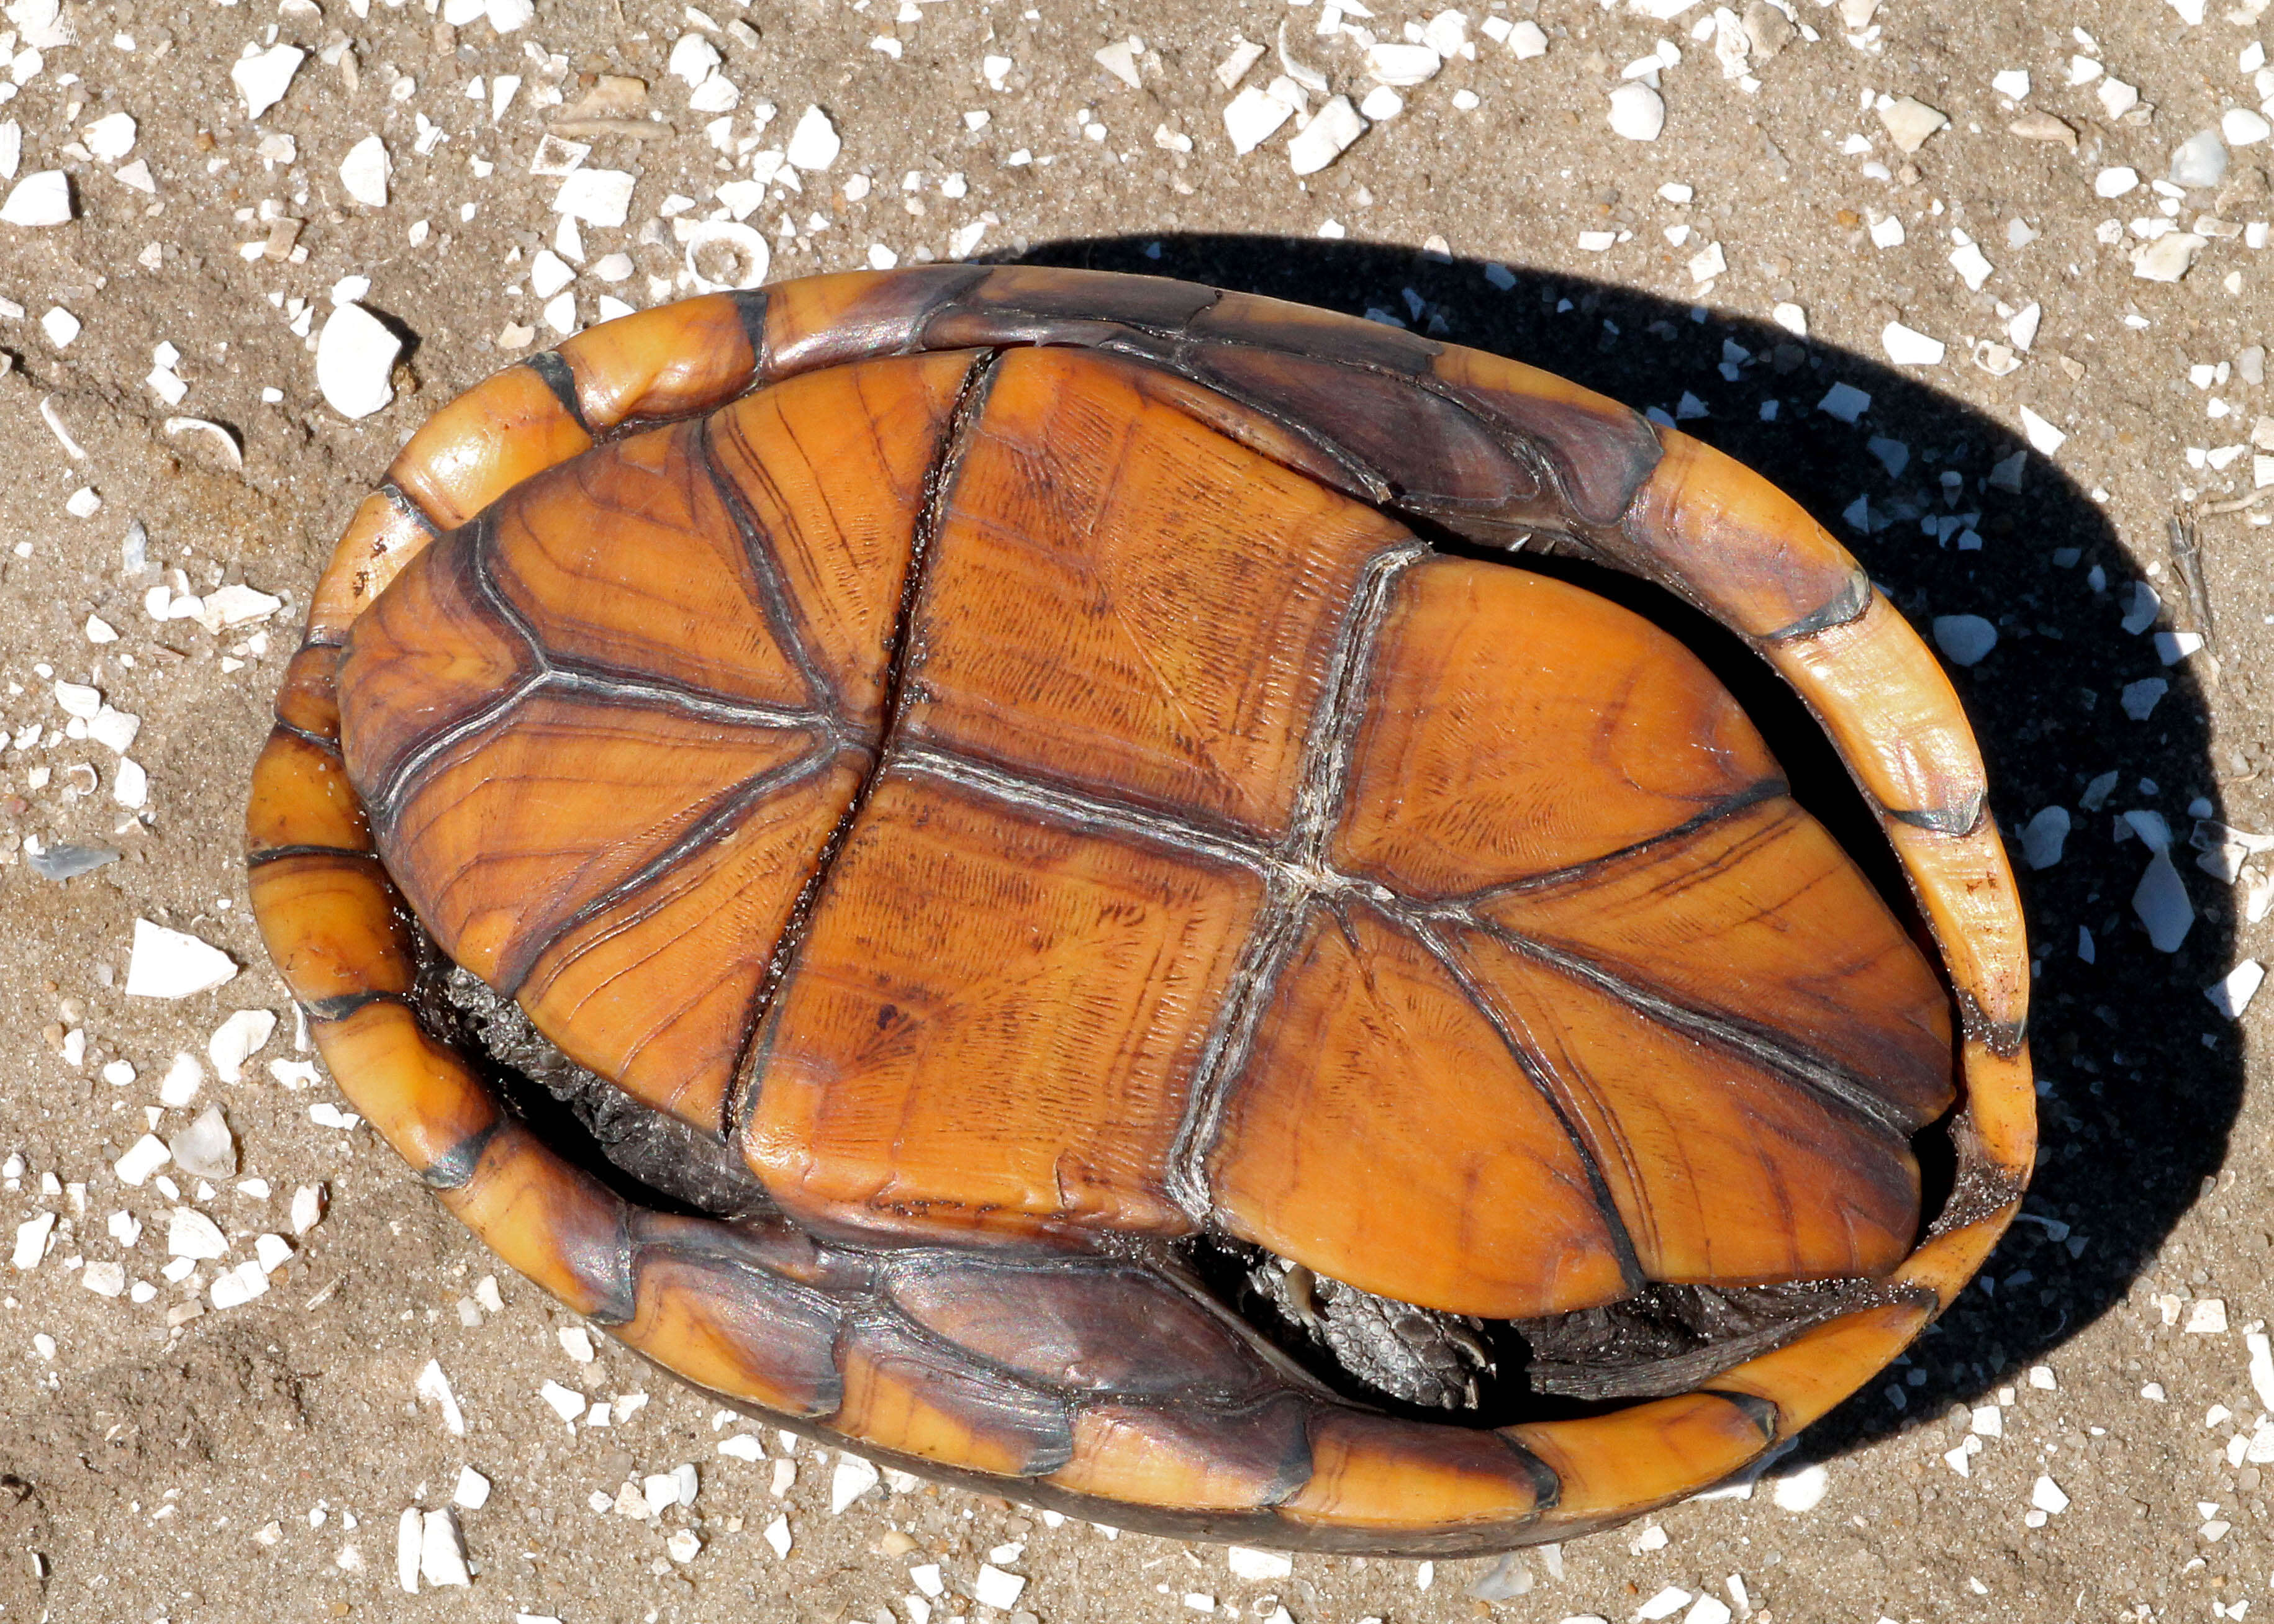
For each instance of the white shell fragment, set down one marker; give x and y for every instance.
(355, 362)
(223, 440)
(1638, 112)
(994, 1587)
(191, 1234)
(263, 78)
(2241, 127)
(1801, 1491)
(2232, 992)
(815, 143)
(2161, 903)
(169, 964)
(144, 1157)
(1909, 122)
(852, 1478)
(2168, 258)
(1909, 347)
(110, 137)
(725, 253)
(364, 172)
(307, 1210)
(2199, 161)
(433, 1387)
(597, 197)
(441, 1556)
(1401, 65)
(237, 1040)
(2042, 436)
(2044, 836)
(41, 199)
(1964, 640)
(1252, 117)
(1328, 135)
(2046, 1496)
(409, 1533)
(1261, 1565)
(205, 1147)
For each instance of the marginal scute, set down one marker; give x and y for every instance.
(2000, 1121)
(1965, 883)
(1601, 452)
(819, 321)
(670, 362)
(498, 433)
(334, 925)
(1884, 699)
(1613, 1466)
(1946, 1260)
(1726, 539)
(1395, 1476)
(385, 534)
(1434, 457)
(1806, 1377)
(1197, 1456)
(907, 1393)
(1096, 1326)
(301, 797)
(736, 1331)
(419, 1093)
(555, 1223)
(307, 701)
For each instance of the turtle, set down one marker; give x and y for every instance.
(1124, 920)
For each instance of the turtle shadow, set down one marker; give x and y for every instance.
(2140, 1079)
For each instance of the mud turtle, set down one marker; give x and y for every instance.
(1106, 935)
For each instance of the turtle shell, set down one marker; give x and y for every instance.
(1045, 771)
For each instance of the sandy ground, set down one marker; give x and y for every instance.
(158, 1463)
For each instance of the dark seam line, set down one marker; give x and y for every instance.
(327, 637)
(621, 1301)
(724, 811)
(1270, 945)
(1751, 795)
(1249, 991)
(773, 592)
(455, 1168)
(278, 854)
(388, 802)
(1960, 820)
(329, 747)
(340, 1007)
(750, 311)
(1599, 1187)
(1834, 1084)
(395, 494)
(970, 402)
(1546, 1488)
(1082, 810)
(610, 687)
(1850, 603)
(549, 366)
(275, 854)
